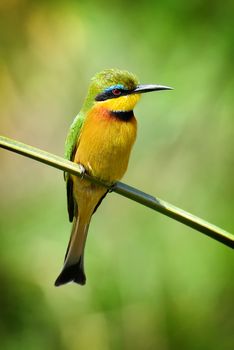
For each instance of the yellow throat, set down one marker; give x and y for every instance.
(123, 103)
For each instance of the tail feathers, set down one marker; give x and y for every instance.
(73, 269)
(72, 273)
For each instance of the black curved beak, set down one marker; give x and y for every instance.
(141, 89)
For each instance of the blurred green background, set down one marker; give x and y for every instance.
(152, 283)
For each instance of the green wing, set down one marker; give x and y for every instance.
(73, 136)
(70, 149)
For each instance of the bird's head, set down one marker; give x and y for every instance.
(117, 90)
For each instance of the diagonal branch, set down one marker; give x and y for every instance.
(124, 190)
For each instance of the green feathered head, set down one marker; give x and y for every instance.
(105, 84)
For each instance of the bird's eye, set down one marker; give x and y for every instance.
(116, 92)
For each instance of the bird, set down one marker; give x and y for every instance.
(100, 140)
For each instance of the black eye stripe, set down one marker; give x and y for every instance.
(106, 95)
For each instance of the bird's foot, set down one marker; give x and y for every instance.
(82, 170)
(111, 188)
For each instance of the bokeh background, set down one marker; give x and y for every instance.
(152, 283)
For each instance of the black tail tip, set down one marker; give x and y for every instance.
(72, 273)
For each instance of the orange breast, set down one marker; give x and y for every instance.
(105, 144)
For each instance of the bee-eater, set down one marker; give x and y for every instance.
(100, 139)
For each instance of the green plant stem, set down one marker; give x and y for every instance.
(122, 189)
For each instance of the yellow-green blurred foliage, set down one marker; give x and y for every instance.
(152, 283)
